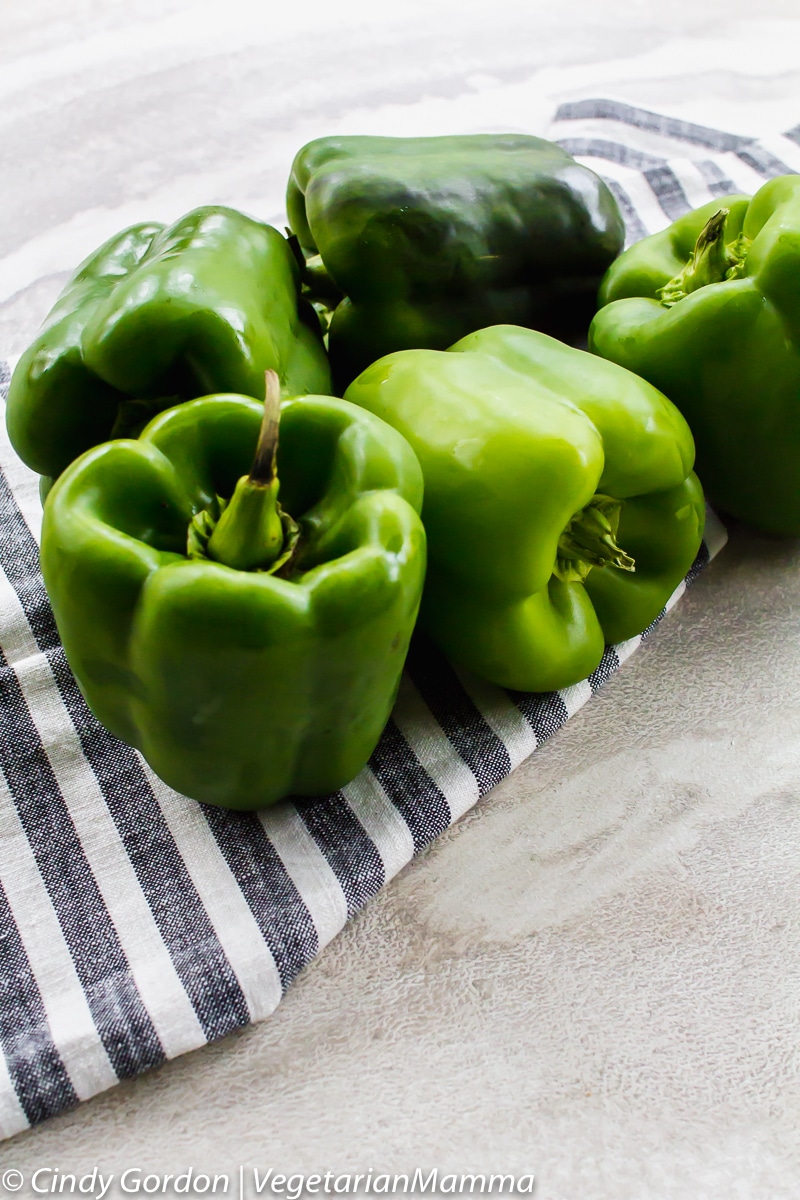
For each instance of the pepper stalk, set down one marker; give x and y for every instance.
(590, 540)
(253, 533)
(711, 261)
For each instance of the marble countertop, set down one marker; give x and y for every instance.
(593, 977)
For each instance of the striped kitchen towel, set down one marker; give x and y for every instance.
(137, 925)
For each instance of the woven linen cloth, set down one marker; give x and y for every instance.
(138, 925)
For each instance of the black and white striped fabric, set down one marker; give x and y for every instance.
(137, 925)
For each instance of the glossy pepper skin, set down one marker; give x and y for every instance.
(240, 686)
(546, 470)
(158, 314)
(709, 312)
(422, 240)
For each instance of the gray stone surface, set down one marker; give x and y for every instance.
(594, 975)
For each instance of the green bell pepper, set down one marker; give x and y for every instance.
(246, 654)
(560, 504)
(709, 312)
(158, 314)
(418, 241)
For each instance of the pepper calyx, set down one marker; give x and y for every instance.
(711, 261)
(590, 540)
(250, 532)
(203, 524)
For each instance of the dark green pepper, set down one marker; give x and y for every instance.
(249, 650)
(560, 504)
(709, 312)
(418, 241)
(155, 315)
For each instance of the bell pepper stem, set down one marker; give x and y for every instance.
(590, 540)
(264, 468)
(250, 533)
(712, 261)
(313, 273)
